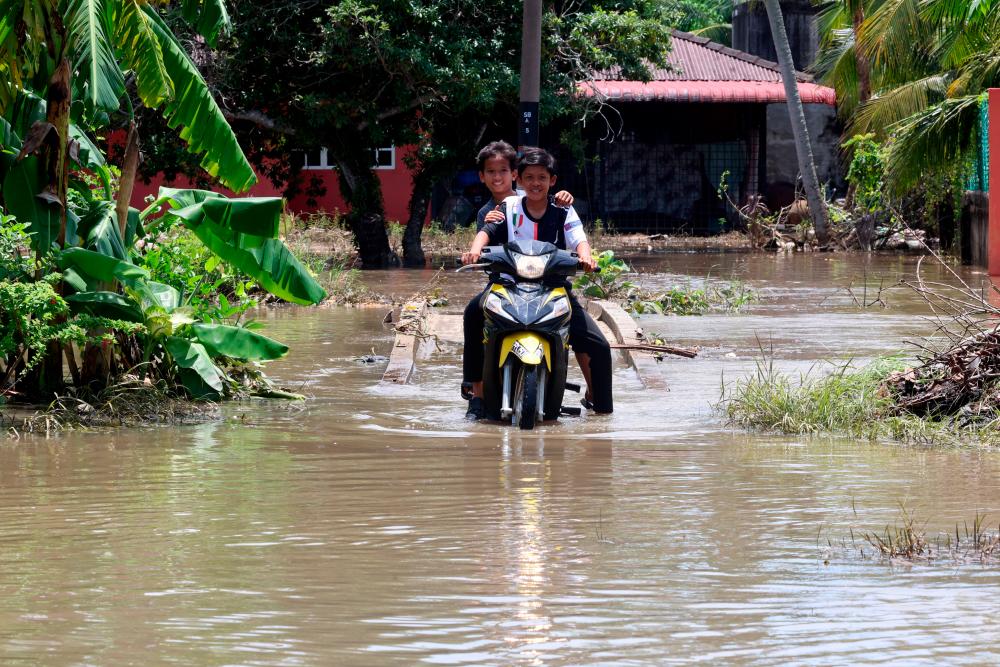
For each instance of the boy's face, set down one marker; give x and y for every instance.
(536, 181)
(497, 177)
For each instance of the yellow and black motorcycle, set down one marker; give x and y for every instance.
(526, 333)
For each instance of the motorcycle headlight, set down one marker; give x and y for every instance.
(529, 267)
(560, 307)
(494, 304)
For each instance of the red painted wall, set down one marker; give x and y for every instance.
(397, 185)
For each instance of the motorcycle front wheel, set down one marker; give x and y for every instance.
(526, 398)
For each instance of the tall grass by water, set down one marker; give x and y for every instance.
(851, 401)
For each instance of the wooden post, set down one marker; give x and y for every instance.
(993, 236)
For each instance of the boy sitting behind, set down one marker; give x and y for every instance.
(497, 171)
(539, 219)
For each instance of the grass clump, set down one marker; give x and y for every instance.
(612, 283)
(857, 402)
(730, 297)
(908, 540)
(849, 400)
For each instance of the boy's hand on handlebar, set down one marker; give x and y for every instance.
(588, 264)
(494, 216)
(563, 199)
(470, 257)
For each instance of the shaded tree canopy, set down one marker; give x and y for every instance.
(351, 75)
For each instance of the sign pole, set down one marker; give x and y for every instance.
(531, 60)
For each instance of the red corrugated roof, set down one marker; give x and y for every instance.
(704, 71)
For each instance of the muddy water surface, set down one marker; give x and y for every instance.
(372, 526)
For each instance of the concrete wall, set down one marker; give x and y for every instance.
(752, 31)
(783, 163)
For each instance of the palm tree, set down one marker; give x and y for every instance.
(930, 64)
(800, 132)
(838, 62)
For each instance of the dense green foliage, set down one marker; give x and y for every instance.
(912, 73)
(73, 276)
(353, 75)
(708, 18)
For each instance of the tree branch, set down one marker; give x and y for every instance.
(259, 119)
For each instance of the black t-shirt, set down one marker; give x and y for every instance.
(481, 216)
(550, 226)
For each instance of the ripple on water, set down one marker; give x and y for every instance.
(373, 525)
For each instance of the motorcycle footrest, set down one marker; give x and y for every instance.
(572, 386)
(572, 412)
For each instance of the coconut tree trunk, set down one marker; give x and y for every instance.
(861, 63)
(807, 167)
(413, 253)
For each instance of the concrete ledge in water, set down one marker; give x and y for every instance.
(409, 321)
(628, 332)
(418, 327)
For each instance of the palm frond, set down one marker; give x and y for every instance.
(832, 17)
(89, 26)
(192, 108)
(719, 32)
(836, 66)
(932, 139)
(895, 40)
(898, 104)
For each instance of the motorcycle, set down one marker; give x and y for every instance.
(526, 334)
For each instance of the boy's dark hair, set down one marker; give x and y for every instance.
(499, 149)
(537, 157)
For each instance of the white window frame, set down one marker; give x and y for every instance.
(392, 158)
(324, 160)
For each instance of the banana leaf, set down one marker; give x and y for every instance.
(164, 296)
(105, 304)
(21, 187)
(139, 50)
(10, 144)
(75, 280)
(193, 109)
(93, 266)
(95, 62)
(177, 198)
(100, 232)
(133, 227)
(237, 342)
(267, 260)
(209, 18)
(200, 376)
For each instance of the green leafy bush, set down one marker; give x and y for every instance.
(610, 281)
(213, 290)
(15, 260)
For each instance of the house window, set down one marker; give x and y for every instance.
(319, 158)
(384, 158)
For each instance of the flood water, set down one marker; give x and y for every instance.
(373, 526)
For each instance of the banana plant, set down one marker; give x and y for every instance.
(172, 340)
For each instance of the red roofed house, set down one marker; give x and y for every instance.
(717, 115)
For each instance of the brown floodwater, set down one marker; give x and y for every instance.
(371, 525)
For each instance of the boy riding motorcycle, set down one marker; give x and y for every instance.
(535, 217)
